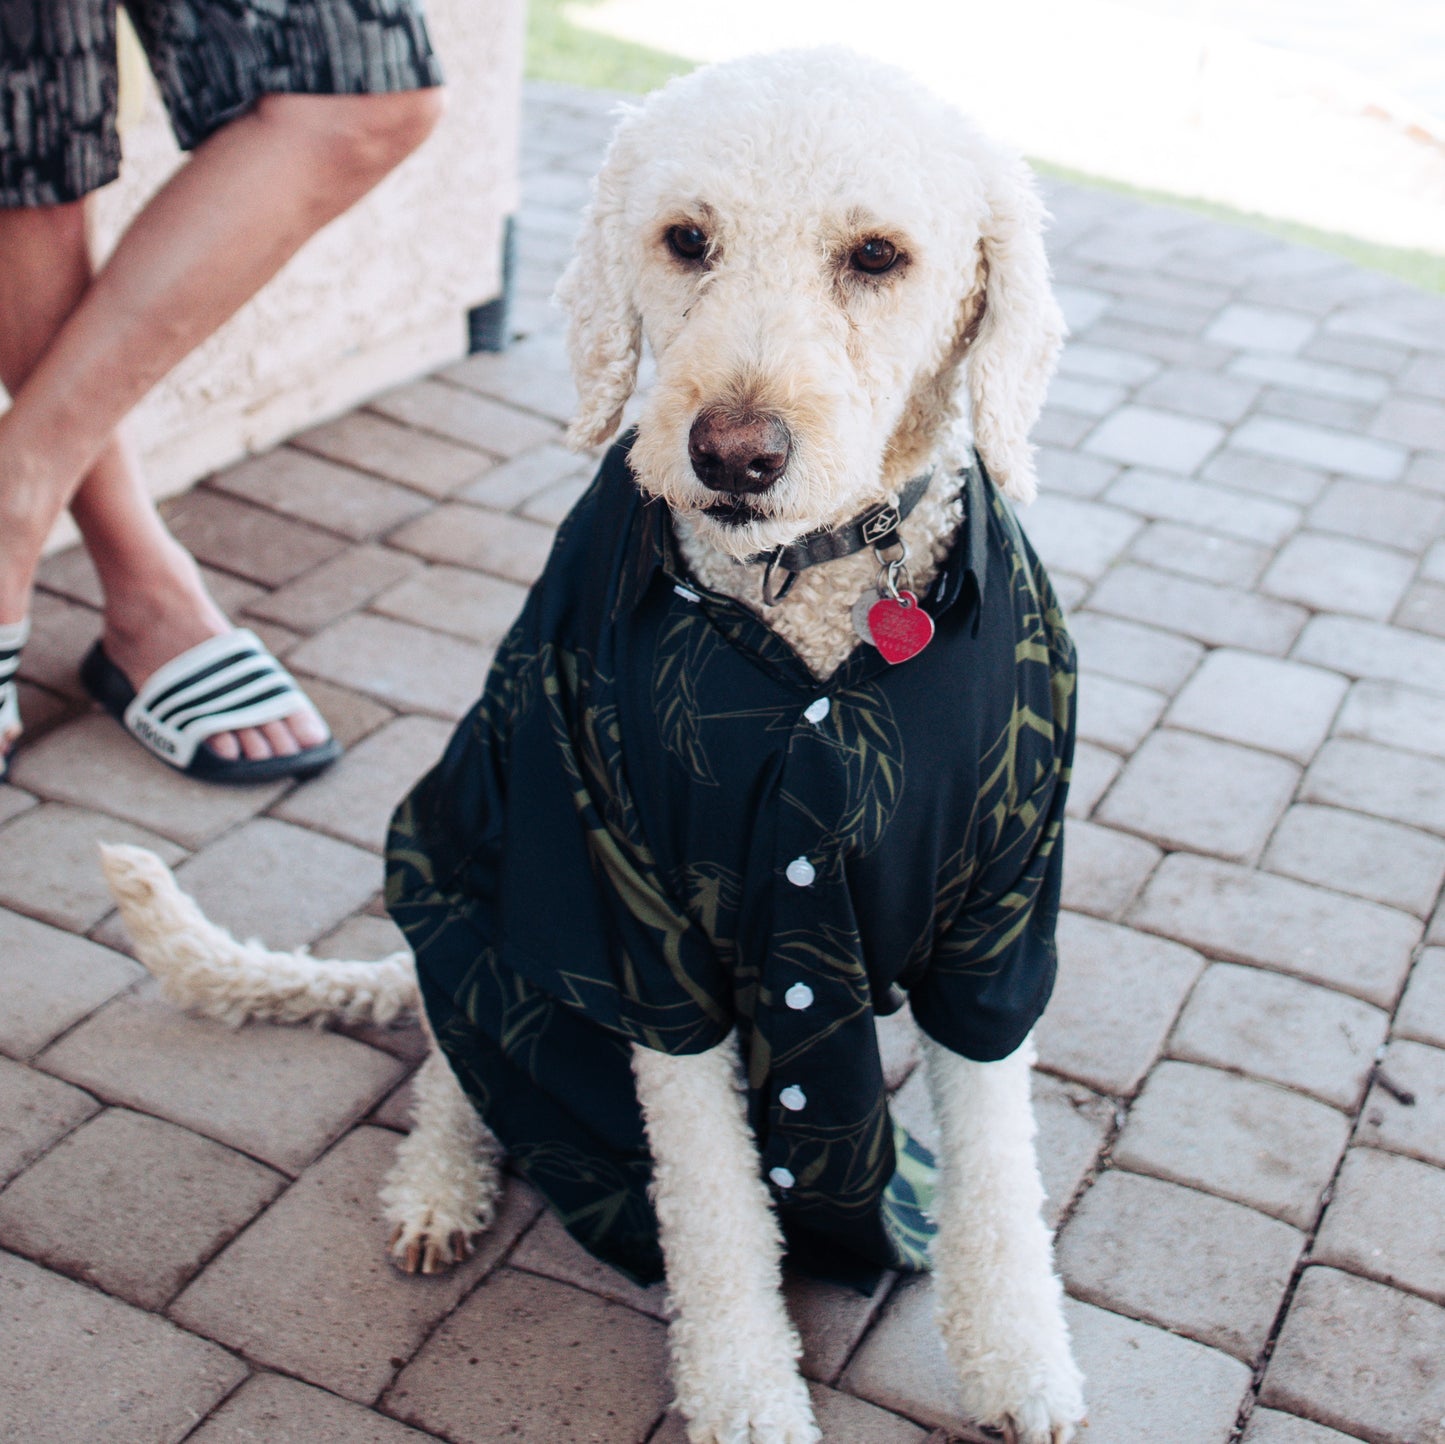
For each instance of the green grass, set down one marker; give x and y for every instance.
(1425, 269)
(561, 51)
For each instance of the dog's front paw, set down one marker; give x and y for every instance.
(429, 1245)
(752, 1402)
(1015, 1370)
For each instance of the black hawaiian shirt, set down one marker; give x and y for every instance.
(656, 826)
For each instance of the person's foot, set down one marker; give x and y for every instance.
(143, 633)
(12, 638)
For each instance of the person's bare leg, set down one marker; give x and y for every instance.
(247, 200)
(45, 270)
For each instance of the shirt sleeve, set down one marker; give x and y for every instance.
(994, 959)
(992, 970)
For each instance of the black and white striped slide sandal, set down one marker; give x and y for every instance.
(224, 684)
(12, 639)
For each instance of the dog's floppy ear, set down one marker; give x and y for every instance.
(1014, 352)
(604, 331)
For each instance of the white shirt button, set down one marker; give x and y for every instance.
(816, 711)
(800, 872)
(798, 997)
(783, 1177)
(793, 1098)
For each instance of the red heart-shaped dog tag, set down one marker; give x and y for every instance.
(900, 629)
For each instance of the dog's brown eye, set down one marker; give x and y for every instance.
(687, 243)
(874, 256)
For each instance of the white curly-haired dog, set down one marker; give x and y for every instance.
(835, 274)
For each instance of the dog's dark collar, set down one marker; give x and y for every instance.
(877, 527)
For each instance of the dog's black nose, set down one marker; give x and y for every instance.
(738, 452)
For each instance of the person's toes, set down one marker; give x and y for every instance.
(225, 746)
(280, 736)
(254, 745)
(307, 728)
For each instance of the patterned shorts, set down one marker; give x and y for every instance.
(212, 60)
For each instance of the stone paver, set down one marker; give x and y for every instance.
(270, 1408)
(1320, 446)
(1360, 648)
(1121, 1250)
(50, 867)
(1209, 508)
(92, 759)
(171, 1199)
(1250, 917)
(1184, 791)
(368, 442)
(1266, 329)
(35, 1111)
(76, 1365)
(1133, 653)
(1384, 1222)
(249, 541)
(1422, 1009)
(1080, 537)
(515, 482)
(1390, 864)
(1362, 1358)
(1117, 715)
(334, 588)
(286, 883)
(1140, 1382)
(461, 415)
(279, 1094)
(1243, 507)
(491, 1370)
(448, 599)
(1379, 780)
(1394, 715)
(1173, 547)
(1144, 436)
(1217, 616)
(470, 536)
(1252, 1142)
(354, 800)
(1387, 515)
(1104, 869)
(1117, 995)
(1269, 1426)
(1094, 772)
(1073, 1125)
(1408, 1115)
(50, 981)
(1283, 1030)
(405, 666)
(1333, 573)
(308, 1288)
(336, 498)
(1260, 702)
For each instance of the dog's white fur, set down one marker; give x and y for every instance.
(786, 163)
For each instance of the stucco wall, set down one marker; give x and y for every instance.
(378, 297)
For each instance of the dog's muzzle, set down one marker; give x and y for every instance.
(740, 454)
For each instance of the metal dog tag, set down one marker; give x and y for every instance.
(861, 608)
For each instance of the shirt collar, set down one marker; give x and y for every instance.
(655, 547)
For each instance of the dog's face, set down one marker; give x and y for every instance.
(828, 266)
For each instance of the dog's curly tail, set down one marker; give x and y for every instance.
(204, 969)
